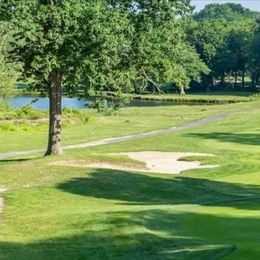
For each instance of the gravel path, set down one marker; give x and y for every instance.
(190, 125)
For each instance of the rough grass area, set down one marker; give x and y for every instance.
(75, 213)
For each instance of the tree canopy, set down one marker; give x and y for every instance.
(226, 11)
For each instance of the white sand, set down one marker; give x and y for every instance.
(156, 162)
(168, 162)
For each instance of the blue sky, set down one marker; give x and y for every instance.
(252, 4)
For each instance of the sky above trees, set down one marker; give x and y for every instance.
(252, 4)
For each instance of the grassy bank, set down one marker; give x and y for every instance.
(208, 98)
(63, 212)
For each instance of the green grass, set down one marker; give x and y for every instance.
(214, 97)
(88, 125)
(76, 213)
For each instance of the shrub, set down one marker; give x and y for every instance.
(28, 112)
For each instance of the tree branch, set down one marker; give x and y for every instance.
(151, 81)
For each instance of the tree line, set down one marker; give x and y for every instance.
(124, 46)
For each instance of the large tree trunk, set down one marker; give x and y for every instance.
(55, 95)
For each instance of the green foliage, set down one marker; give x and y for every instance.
(8, 71)
(102, 105)
(223, 39)
(226, 12)
(164, 56)
(5, 107)
(84, 41)
(28, 112)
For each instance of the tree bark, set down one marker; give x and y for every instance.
(235, 84)
(55, 96)
(155, 85)
(182, 91)
(243, 78)
(253, 80)
(257, 79)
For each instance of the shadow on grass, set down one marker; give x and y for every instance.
(142, 189)
(149, 234)
(251, 139)
(139, 233)
(15, 160)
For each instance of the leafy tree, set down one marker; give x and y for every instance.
(65, 43)
(159, 52)
(8, 71)
(222, 34)
(239, 41)
(208, 37)
(162, 55)
(102, 45)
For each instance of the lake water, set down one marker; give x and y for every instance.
(42, 103)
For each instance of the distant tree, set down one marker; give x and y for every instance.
(208, 37)
(255, 55)
(239, 41)
(221, 34)
(159, 52)
(228, 12)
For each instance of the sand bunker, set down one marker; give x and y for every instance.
(156, 162)
(168, 162)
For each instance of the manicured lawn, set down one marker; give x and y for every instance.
(231, 97)
(55, 212)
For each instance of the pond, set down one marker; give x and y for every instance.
(42, 103)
